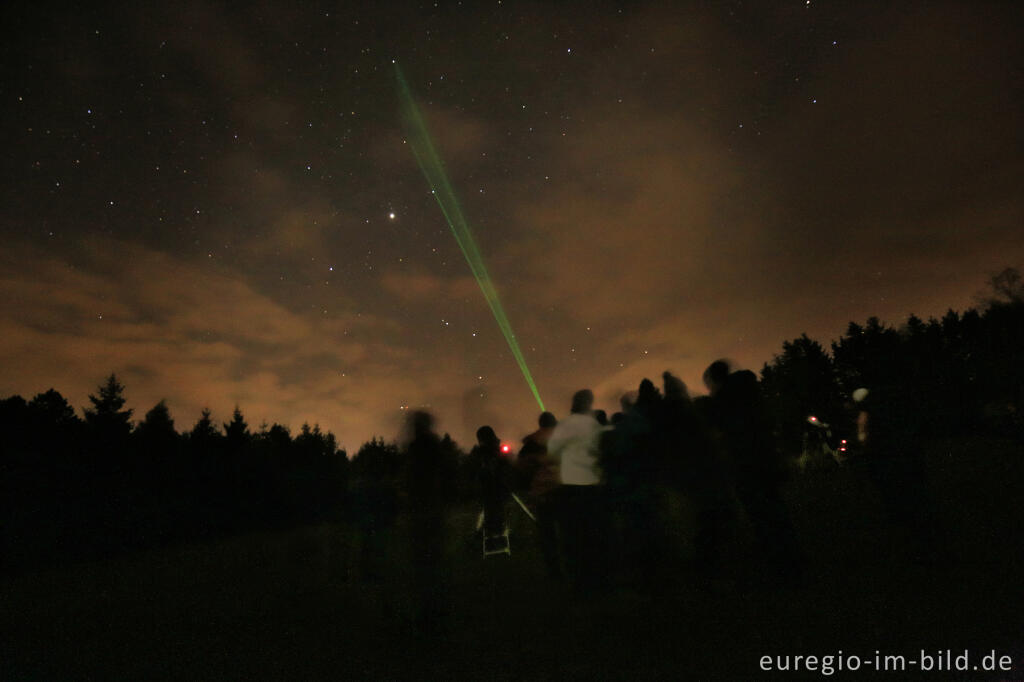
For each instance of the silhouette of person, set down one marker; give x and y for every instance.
(539, 477)
(374, 500)
(758, 472)
(889, 430)
(628, 453)
(699, 471)
(494, 480)
(574, 444)
(653, 445)
(533, 459)
(430, 485)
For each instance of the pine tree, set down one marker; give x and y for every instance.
(156, 435)
(158, 423)
(204, 430)
(237, 431)
(106, 416)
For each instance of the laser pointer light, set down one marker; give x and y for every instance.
(433, 170)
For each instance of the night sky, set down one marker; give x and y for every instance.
(219, 205)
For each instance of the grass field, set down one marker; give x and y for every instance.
(291, 605)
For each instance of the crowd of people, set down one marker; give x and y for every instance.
(599, 488)
(599, 484)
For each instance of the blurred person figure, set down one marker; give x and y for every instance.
(758, 471)
(495, 491)
(626, 402)
(574, 444)
(533, 459)
(628, 455)
(539, 479)
(374, 503)
(430, 485)
(889, 433)
(700, 472)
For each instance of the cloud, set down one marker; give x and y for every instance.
(174, 330)
(422, 287)
(459, 137)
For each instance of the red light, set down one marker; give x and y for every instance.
(814, 419)
(844, 441)
(505, 448)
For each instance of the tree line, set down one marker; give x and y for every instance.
(81, 487)
(964, 372)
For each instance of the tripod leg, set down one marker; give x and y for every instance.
(524, 507)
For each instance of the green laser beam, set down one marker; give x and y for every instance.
(433, 169)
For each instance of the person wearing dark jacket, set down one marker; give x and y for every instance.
(495, 473)
(697, 467)
(374, 503)
(430, 483)
(536, 471)
(538, 477)
(737, 412)
(889, 431)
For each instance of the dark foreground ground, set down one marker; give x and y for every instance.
(290, 604)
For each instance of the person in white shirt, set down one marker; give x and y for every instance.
(574, 441)
(574, 445)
